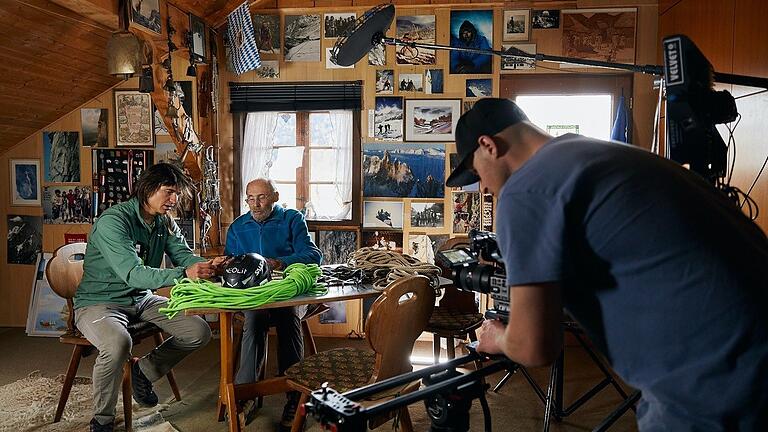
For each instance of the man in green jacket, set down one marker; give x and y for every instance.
(121, 268)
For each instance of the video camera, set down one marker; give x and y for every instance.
(469, 274)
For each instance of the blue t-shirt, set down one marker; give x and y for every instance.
(283, 236)
(668, 277)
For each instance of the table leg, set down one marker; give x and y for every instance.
(227, 394)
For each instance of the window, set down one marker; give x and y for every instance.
(309, 155)
(588, 115)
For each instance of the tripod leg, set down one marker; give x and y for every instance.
(548, 405)
(504, 380)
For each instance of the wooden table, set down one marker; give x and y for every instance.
(229, 392)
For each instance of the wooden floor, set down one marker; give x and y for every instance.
(514, 408)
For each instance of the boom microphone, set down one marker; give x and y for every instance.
(367, 32)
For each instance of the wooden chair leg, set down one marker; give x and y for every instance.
(309, 342)
(451, 348)
(74, 363)
(405, 420)
(159, 339)
(127, 396)
(436, 348)
(298, 419)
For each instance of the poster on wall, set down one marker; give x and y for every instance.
(25, 238)
(67, 204)
(404, 170)
(466, 211)
(471, 29)
(302, 38)
(388, 118)
(25, 182)
(133, 117)
(383, 214)
(48, 312)
(267, 29)
(418, 29)
(94, 123)
(600, 34)
(61, 155)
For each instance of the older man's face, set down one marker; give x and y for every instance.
(260, 198)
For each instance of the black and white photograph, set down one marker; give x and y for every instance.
(329, 64)
(25, 239)
(61, 156)
(427, 214)
(25, 182)
(337, 245)
(546, 19)
(67, 204)
(269, 69)
(388, 118)
(93, 122)
(401, 170)
(431, 119)
(410, 82)
(419, 29)
(466, 211)
(382, 240)
(385, 81)
(519, 63)
(433, 81)
(335, 24)
(197, 30)
(383, 214)
(302, 38)
(377, 56)
(516, 25)
(267, 31)
(479, 88)
(146, 13)
(420, 247)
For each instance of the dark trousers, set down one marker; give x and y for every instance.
(290, 344)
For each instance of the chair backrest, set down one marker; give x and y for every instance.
(396, 319)
(454, 298)
(64, 272)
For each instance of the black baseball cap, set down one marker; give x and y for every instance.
(488, 116)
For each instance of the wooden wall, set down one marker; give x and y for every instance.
(733, 35)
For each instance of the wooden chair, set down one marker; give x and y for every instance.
(457, 316)
(396, 319)
(64, 272)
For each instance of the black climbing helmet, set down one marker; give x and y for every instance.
(245, 271)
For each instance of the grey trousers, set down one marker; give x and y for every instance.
(105, 326)
(290, 344)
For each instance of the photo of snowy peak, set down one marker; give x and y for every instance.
(388, 118)
(404, 170)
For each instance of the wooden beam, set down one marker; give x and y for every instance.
(103, 12)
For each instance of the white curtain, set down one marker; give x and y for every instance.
(258, 142)
(342, 144)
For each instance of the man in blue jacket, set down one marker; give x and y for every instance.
(281, 236)
(463, 62)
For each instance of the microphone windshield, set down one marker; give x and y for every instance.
(359, 39)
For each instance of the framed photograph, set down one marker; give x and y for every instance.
(382, 240)
(466, 211)
(431, 119)
(519, 63)
(94, 123)
(302, 38)
(433, 81)
(146, 14)
(546, 19)
(410, 82)
(388, 118)
(383, 214)
(335, 24)
(48, 312)
(25, 238)
(385, 81)
(471, 29)
(269, 69)
(133, 117)
(67, 205)
(420, 247)
(427, 214)
(517, 25)
(267, 30)
(419, 29)
(197, 49)
(25, 182)
(377, 56)
(329, 64)
(61, 156)
(479, 88)
(600, 34)
(404, 170)
(336, 246)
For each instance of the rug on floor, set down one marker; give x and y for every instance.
(29, 404)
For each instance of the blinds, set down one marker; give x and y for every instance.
(248, 97)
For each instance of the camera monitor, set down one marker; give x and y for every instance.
(455, 257)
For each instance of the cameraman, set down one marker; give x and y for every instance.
(667, 276)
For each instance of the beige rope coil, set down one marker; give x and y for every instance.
(385, 267)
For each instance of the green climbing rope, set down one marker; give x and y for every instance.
(201, 294)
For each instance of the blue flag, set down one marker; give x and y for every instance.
(621, 128)
(242, 41)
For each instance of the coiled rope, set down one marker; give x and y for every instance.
(297, 279)
(382, 267)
